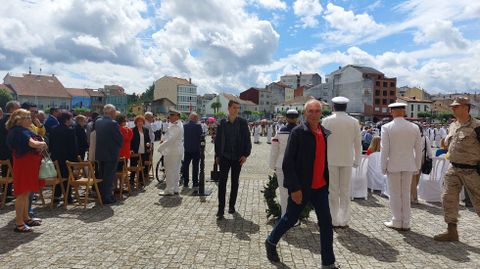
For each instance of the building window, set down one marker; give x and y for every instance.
(384, 101)
(411, 115)
(392, 101)
(377, 83)
(392, 93)
(384, 93)
(392, 84)
(385, 84)
(425, 108)
(377, 101)
(411, 107)
(418, 107)
(377, 92)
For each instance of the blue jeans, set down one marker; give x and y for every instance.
(319, 200)
(30, 201)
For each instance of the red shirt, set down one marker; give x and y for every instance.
(127, 134)
(318, 180)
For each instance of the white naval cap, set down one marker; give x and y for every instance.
(340, 100)
(292, 112)
(397, 105)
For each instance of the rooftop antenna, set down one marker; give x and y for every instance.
(29, 70)
(40, 69)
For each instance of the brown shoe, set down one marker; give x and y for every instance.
(451, 235)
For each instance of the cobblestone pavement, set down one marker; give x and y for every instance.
(148, 231)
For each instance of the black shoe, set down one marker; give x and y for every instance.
(271, 250)
(231, 210)
(219, 214)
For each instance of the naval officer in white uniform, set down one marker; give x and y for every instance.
(401, 156)
(171, 147)
(344, 152)
(277, 151)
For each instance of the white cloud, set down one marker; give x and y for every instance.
(271, 4)
(308, 10)
(347, 26)
(88, 40)
(441, 31)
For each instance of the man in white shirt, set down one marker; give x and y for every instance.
(401, 156)
(344, 151)
(171, 147)
(149, 119)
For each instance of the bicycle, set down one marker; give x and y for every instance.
(160, 170)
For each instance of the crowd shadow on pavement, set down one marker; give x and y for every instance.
(242, 228)
(432, 208)
(87, 215)
(304, 236)
(371, 202)
(455, 251)
(170, 201)
(11, 240)
(361, 244)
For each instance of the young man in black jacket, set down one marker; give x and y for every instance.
(306, 177)
(232, 147)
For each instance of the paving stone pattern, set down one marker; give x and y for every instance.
(149, 231)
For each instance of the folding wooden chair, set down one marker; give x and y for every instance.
(4, 181)
(122, 178)
(149, 164)
(53, 182)
(137, 169)
(82, 174)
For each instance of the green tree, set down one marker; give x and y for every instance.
(216, 106)
(423, 114)
(325, 112)
(5, 97)
(220, 115)
(444, 116)
(147, 96)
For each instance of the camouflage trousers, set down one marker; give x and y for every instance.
(455, 179)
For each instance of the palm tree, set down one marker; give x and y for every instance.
(215, 106)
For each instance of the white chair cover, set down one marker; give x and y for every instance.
(430, 187)
(376, 179)
(358, 186)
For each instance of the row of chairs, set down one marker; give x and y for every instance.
(81, 174)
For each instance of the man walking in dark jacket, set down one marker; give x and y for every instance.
(232, 147)
(192, 134)
(306, 177)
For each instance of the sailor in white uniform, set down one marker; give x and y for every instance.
(277, 151)
(257, 129)
(269, 133)
(171, 148)
(344, 152)
(401, 156)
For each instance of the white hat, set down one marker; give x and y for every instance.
(340, 100)
(292, 112)
(397, 105)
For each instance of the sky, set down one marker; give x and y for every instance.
(230, 46)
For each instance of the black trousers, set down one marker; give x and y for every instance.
(188, 157)
(225, 166)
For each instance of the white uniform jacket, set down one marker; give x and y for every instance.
(277, 151)
(345, 142)
(401, 147)
(172, 140)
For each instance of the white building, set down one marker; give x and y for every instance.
(179, 91)
(295, 81)
(415, 106)
(224, 98)
(298, 103)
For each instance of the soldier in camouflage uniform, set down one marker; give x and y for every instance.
(463, 142)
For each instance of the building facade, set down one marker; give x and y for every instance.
(295, 81)
(80, 98)
(97, 100)
(202, 102)
(44, 91)
(413, 92)
(415, 106)
(178, 90)
(261, 97)
(116, 96)
(224, 98)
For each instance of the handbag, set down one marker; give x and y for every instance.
(427, 163)
(47, 168)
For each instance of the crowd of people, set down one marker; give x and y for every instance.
(313, 159)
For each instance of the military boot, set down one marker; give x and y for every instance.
(449, 236)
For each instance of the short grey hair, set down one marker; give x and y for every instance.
(11, 105)
(193, 116)
(311, 101)
(108, 109)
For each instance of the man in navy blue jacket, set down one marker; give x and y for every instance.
(191, 143)
(306, 177)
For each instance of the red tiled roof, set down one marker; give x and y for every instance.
(37, 85)
(411, 100)
(114, 90)
(6, 87)
(77, 92)
(94, 93)
(180, 81)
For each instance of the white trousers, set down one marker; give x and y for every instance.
(172, 164)
(283, 190)
(399, 187)
(339, 194)
(256, 138)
